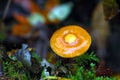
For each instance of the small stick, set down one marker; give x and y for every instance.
(6, 9)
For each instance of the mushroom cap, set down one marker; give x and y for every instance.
(70, 41)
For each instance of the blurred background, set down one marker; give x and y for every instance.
(34, 21)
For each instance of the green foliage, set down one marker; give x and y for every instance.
(2, 31)
(79, 72)
(88, 74)
(2, 36)
(86, 58)
(105, 78)
(14, 70)
(36, 57)
(75, 71)
(83, 73)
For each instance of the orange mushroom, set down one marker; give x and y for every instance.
(70, 41)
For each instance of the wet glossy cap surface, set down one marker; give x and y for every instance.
(70, 41)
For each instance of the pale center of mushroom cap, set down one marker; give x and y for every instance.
(70, 38)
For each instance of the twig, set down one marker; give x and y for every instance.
(6, 9)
